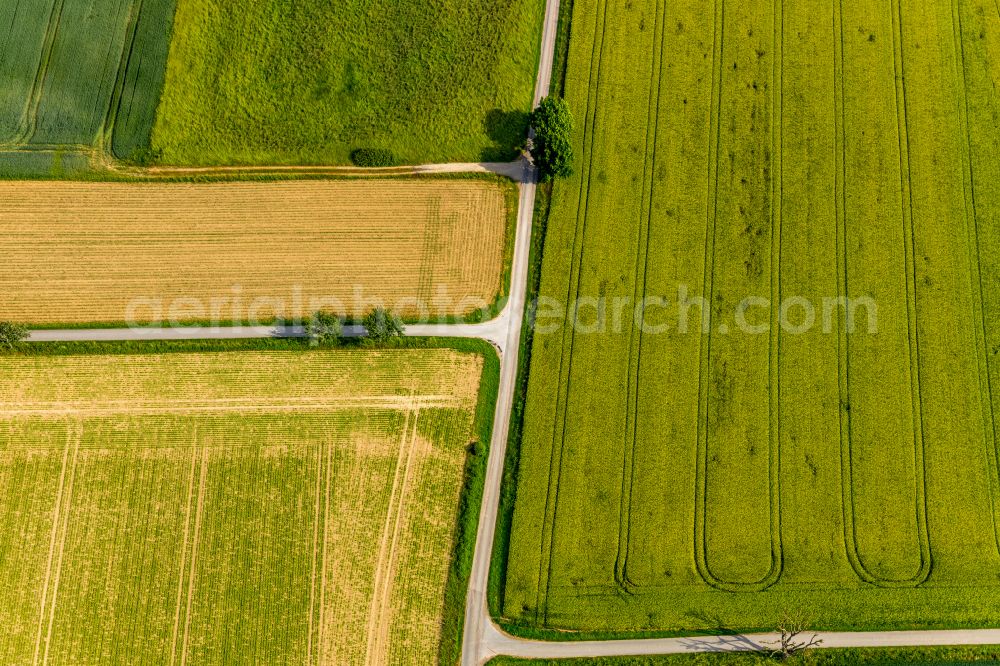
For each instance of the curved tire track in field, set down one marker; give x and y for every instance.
(701, 490)
(30, 119)
(975, 262)
(106, 135)
(846, 434)
(639, 292)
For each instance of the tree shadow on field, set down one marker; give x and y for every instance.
(718, 637)
(508, 131)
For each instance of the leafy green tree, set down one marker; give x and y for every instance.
(325, 328)
(552, 148)
(382, 326)
(11, 335)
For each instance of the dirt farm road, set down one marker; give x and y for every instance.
(482, 639)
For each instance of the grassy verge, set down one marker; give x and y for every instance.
(469, 505)
(821, 657)
(508, 488)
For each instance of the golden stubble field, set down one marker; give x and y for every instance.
(78, 253)
(283, 506)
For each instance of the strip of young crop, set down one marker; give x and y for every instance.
(977, 26)
(30, 477)
(585, 497)
(883, 475)
(956, 405)
(23, 26)
(737, 523)
(142, 73)
(584, 93)
(809, 391)
(662, 415)
(639, 287)
(90, 39)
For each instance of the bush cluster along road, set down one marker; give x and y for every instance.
(482, 638)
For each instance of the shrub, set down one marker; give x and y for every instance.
(552, 149)
(373, 157)
(325, 328)
(382, 326)
(11, 335)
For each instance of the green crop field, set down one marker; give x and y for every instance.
(257, 506)
(799, 154)
(79, 75)
(308, 82)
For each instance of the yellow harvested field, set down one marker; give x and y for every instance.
(77, 253)
(285, 506)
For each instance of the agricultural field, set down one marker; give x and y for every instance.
(272, 506)
(80, 75)
(86, 253)
(755, 162)
(308, 82)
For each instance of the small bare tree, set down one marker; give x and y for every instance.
(792, 642)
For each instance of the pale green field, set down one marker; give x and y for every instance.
(230, 507)
(677, 481)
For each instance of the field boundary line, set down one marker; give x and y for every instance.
(195, 539)
(975, 267)
(639, 291)
(391, 404)
(184, 544)
(62, 541)
(376, 608)
(71, 435)
(569, 333)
